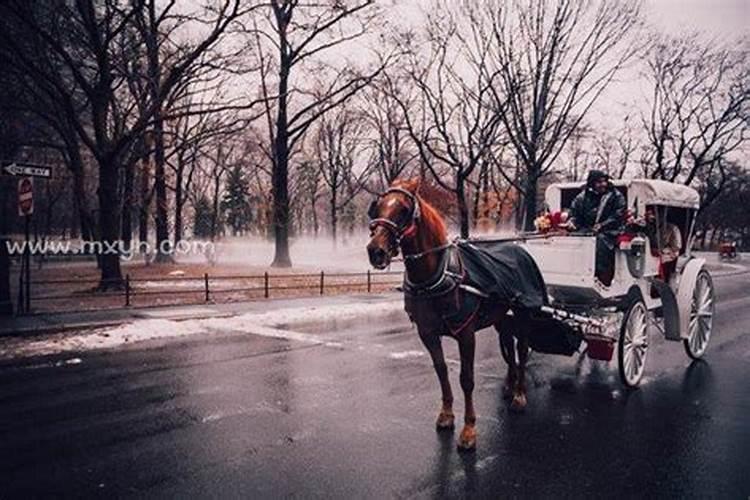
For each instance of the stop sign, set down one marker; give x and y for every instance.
(25, 196)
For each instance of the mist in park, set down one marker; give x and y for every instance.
(374, 248)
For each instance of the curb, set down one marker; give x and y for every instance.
(135, 315)
(90, 325)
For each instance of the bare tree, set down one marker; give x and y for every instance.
(289, 36)
(337, 144)
(165, 52)
(186, 139)
(550, 62)
(614, 152)
(91, 46)
(699, 109)
(458, 128)
(391, 151)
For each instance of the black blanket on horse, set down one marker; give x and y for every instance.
(505, 271)
(494, 274)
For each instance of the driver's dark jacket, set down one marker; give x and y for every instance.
(585, 208)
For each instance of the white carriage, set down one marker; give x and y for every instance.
(618, 317)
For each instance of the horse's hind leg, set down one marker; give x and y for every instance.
(445, 419)
(508, 350)
(519, 391)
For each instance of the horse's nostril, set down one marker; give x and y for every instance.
(377, 254)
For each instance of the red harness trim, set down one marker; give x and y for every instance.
(409, 231)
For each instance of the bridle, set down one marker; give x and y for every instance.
(396, 231)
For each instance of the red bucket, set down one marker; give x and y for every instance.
(600, 349)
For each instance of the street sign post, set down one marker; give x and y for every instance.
(18, 168)
(27, 171)
(25, 209)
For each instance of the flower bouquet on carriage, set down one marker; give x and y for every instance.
(552, 223)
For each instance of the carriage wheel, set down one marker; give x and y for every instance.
(701, 316)
(633, 344)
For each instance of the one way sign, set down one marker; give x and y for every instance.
(27, 170)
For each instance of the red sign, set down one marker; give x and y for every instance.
(25, 196)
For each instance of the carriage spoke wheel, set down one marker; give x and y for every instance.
(701, 316)
(632, 346)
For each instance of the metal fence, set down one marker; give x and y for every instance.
(55, 295)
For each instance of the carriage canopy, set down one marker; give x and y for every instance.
(640, 192)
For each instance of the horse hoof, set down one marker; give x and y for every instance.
(445, 422)
(468, 440)
(519, 403)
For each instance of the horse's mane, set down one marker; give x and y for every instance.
(430, 215)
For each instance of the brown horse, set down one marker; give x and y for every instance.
(402, 220)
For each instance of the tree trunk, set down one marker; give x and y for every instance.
(109, 224)
(6, 302)
(163, 246)
(334, 217)
(215, 208)
(75, 221)
(280, 176)
(85, 219)
(178, 202)
(529, 200)
(145, 200)
(463, 209)
(316, 226)
(127, 206)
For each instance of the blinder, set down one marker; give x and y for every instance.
(372, 210)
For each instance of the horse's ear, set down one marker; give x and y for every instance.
(411, 185)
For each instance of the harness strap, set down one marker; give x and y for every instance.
(436, 281)
(414, 256)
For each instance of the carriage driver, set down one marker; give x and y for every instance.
(600, 209)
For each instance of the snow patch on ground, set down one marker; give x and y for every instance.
(406, 354)
(263, 324)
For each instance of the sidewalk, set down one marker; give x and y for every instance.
(59, 322)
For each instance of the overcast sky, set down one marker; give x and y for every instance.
(725, 21)
(729, 18)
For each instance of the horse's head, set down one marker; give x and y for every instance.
(393, 216)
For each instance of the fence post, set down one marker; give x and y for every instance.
(127, 290)
(369, 281)
(322, 278)
(265, 284)
(205, 281)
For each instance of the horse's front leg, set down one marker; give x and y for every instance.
(445, 419)
(467, 441)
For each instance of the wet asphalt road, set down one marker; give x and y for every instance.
(255, 417)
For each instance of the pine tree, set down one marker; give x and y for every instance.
(236, 204)
(202, 218)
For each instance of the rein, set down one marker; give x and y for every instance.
(419, 255)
